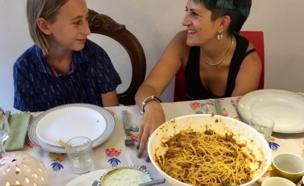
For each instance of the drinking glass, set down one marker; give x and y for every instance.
(261, 123)
(79, 152)
(4, 130)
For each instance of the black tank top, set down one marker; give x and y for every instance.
(194, 87)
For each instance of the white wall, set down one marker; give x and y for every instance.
(154, 22)
(283, 29)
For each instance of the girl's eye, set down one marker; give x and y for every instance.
(77, 22)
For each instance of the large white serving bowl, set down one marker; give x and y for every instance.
(243, 134)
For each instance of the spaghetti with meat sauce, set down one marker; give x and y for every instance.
(207, 158)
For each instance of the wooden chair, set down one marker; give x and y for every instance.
(105, 25)
(255, 37)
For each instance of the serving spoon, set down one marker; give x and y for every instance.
(153, 182)
(149, 183)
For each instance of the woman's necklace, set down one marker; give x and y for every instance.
(222, 59)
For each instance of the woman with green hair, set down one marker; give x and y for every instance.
(218, 62)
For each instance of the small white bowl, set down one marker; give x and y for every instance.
(272, 181)
(290, 166)
(125, 175)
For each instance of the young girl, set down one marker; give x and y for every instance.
(63, 66)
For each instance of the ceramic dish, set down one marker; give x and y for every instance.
(61, 124)
(122, 175)
(87, 179)
(109, 126)
(285, 108)
(290, 166)
(277, 181)
(125, 175)
(260, 155)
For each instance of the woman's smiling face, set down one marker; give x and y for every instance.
(200, 27)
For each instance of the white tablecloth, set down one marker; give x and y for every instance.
(58, 165)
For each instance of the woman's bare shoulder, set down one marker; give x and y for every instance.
(179, 45)
(252, 59)
(181, 38)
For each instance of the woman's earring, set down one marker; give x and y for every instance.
(220, 35)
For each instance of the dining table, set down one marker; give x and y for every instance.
(114, 152)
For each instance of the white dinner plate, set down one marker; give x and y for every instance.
(49, 143)
(87, 179)
(285, 108)
(61, 124)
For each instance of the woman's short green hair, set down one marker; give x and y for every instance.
(47, 9)
(238, 10)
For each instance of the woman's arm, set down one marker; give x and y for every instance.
(173, 57)
(249, 75)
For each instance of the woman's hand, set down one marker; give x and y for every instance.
(153, 117)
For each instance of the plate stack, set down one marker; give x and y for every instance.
(285, 108)
(51, 129)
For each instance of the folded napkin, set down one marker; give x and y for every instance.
(18, 124)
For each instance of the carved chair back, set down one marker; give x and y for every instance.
(105, 25)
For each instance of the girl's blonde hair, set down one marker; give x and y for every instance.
(47, 9)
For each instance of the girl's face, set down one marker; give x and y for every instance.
(200, 27)
(70, 29)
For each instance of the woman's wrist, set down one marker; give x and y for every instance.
(149, 100)
(154, 107)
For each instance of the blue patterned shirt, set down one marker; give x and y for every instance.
(37, 88)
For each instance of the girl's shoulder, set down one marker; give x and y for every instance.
(29, 57)
(91, 46)
(92, 50)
